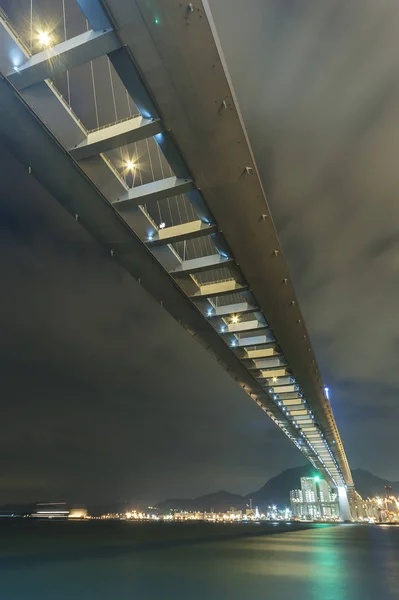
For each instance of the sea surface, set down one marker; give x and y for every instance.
(124, 560)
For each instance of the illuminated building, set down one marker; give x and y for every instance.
(296, 500)
(309, 490)
(78, 513)
(315, 500)
(324, 491)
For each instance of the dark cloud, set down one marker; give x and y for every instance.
(104, 396)
(318, 90)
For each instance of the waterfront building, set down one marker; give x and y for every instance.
(315, 500)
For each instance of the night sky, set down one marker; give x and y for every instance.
(104, 397)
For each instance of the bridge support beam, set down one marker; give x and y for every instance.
(272, 361)
(71, 53)
(257, 340)
(224, 288)
(95, 14)
(115, 136)
(199, 265)
(150, 193)
(178, 233)
(264, 353)
(246, 327)
(228, 310)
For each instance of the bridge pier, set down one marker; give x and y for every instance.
(344, 507)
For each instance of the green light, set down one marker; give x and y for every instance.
(316, 478)
(156, 21)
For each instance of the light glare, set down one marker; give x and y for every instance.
(44, 39)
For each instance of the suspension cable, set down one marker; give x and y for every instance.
(65, 37)
(31, 26)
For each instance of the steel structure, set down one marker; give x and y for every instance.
(123, 110)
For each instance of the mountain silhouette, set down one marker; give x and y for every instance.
(276, 491)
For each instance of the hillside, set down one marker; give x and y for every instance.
(275, 491)
(368, 484)
(218, 501)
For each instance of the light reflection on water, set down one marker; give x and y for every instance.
(327, 563)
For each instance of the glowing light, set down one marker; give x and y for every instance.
(327, 393)
(16, 68)
(274, 379)
(44, 39)
(233, 343)
(223, 329)
(162, 225)
(130, 165)
(316, 478)
(234, 319)
(209, 312)
(156, 21)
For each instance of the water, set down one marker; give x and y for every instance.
(123, 560)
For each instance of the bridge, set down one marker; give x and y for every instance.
(124, 112)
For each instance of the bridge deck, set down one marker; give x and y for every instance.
(178, 199)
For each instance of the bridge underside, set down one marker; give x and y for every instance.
(161, 173)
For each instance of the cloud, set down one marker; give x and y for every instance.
(317, 85)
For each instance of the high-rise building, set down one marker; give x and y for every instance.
(296, 499)
(309, 489)
(315, 499)
(324, 490)
(296, 496)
